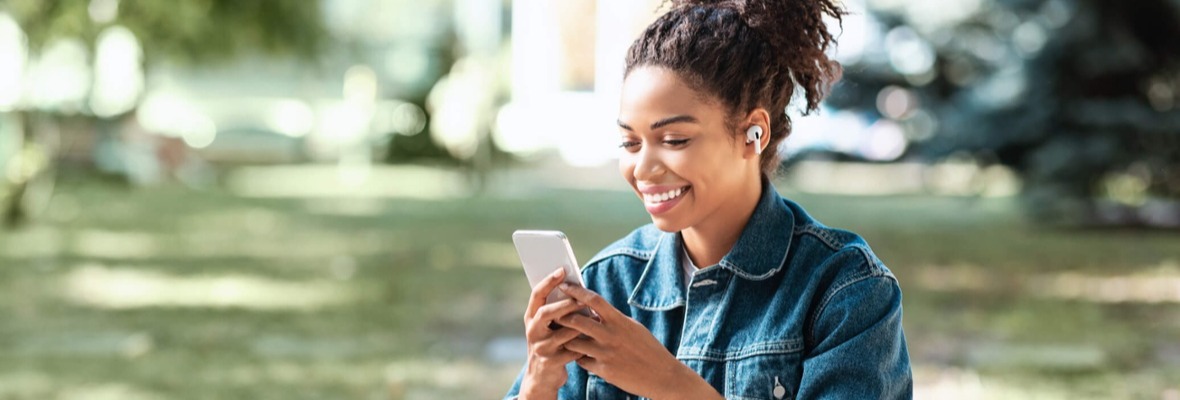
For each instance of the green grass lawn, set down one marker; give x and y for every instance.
(125, 293)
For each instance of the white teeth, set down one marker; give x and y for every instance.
(662, 197)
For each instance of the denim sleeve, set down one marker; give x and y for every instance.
(859, 347)
(574, 388)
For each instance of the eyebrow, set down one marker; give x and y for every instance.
(675, 119)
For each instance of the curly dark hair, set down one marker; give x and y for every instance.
(746, 54)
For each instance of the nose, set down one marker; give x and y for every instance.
(648, 164)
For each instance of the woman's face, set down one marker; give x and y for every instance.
(677, 152)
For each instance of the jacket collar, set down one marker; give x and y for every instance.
(760, 252)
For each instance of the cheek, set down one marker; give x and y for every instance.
(696, 165)
(627, 167)
(712, 170)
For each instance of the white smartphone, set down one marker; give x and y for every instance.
(541, 253)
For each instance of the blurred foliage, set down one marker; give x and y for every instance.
(1080, 97)
(185, 31)
(422, 147)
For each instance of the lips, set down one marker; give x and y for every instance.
(660, 199)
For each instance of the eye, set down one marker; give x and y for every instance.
(629, 144)
(676, 142)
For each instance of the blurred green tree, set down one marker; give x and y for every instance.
(1080, 97)
(193, 32)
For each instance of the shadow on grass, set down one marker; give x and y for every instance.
(171, 293)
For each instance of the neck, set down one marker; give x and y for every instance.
(711, 239)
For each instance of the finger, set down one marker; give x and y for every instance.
(541, 325)
(581, 323)
(560, 358)
(554, 311)
(589, 347)
(556, 342)
(600, 306)
(564, 357)
(541, 292)
(590, 364)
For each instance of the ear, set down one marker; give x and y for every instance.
(759, 116)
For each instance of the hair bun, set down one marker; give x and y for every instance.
(796, 30)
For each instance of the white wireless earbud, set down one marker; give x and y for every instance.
(754, 135)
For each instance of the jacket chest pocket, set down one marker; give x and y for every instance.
(598, 389)
(764, 376)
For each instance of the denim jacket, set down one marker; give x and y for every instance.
(795, 310)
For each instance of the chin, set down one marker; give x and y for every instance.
(667, 224)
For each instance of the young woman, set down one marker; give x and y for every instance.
(733, 291)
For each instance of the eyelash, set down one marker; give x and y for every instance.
(671, 142)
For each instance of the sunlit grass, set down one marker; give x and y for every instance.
(1161, 285)
(102, 287)
(173, 293)
(330, 181)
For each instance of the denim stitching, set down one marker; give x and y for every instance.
(836, 290)
(824, 235)
(742, 273)
(642, 277)
(623, 251)
(827, 237)
(758, 349)
(671, 306)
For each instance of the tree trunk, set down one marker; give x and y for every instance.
(14, 212)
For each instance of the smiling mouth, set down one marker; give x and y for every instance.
(666, 196)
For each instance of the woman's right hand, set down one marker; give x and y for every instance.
(545, 372)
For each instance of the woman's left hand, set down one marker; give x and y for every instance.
(623, 352)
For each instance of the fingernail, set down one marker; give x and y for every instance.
(564, 286)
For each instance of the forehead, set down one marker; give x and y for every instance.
(654, 92)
